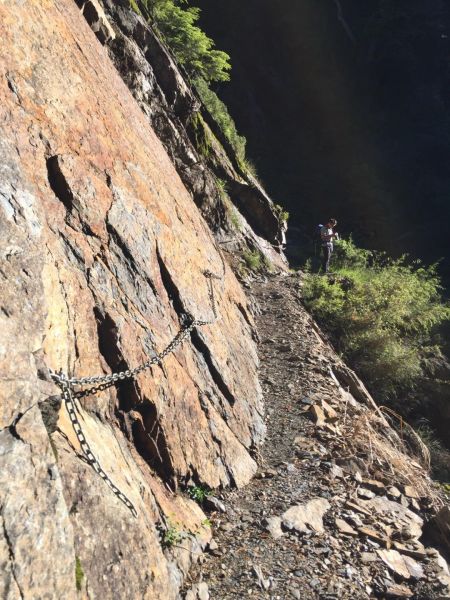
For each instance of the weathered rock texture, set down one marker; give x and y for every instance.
(181, 121)
(102, 249)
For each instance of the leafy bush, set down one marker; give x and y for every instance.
(191, 46)
(198, 493)
(381, 314)
(196, 52)
(173, 535)
(220, 114)
(282, 214)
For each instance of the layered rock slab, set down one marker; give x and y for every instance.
(102, 251)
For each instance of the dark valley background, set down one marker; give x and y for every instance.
(345, 107)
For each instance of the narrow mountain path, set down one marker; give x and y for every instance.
(260, 552)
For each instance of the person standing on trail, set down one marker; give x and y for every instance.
(327, 235)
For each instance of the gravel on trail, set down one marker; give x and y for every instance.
(302, 528)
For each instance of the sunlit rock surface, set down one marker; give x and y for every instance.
(102, 249)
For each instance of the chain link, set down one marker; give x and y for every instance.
(100, 383)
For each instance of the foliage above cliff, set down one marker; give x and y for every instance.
(196, 52)
(382, 314)
(190, 44)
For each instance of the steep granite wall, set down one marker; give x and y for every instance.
(102, 251)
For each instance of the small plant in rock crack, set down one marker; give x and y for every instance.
(198, 493)
(79, 574)
(172, 535)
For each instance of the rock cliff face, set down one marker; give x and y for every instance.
(103, 250)
(195, 143)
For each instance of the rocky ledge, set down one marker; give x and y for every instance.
(338, 509)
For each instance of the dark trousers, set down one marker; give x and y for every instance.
(327, 251)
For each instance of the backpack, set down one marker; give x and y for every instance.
(317, 238)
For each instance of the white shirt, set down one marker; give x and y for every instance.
(325, 232)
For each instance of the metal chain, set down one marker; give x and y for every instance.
(102, 382)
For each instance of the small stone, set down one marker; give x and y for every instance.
(374, 485)
(345, 528)
(307, 401)
(271, 473)
(318, 414)
(198, 591)
(404, 566)
(202, 591)
(214, 504)
(330, 413)
(395, 512)
(404, 534)
(398, 591)
(263, 583)
(306, 517)
(368, 557)
(336, 472)
(372, 534)
(393, 492)
(305, 444)
(417, 554)
(354, 520)
(366, 494)
(414, 504)
(273, 526)
(352, 465)
(213, 545)
(358, 507)
(410, 491)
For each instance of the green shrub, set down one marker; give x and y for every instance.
(222, 187)
(135, 7)
(198, 493)
(255, 260)
(282, 214)
(173, 535)
(381, 314)
(235, 218)
(220, 114)
(191, 46)
(248, 166)
(196, 52)
(252, 259)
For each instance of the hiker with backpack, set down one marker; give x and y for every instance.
(327, 235)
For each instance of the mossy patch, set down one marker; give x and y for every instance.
(79, 574)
